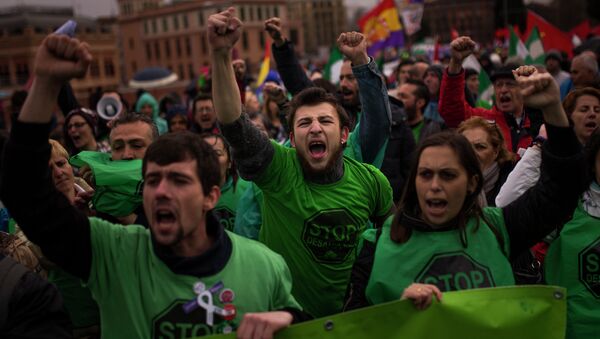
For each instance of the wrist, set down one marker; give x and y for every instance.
(360, 60)
(454, 67)
(279, 42)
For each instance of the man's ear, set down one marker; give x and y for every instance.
(292, 139)
(212, 198)
(421, 104)
(344, 135)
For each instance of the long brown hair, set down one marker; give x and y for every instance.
(409, 203)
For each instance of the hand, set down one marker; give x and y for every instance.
(538, 89)
(86, 173)
(354, 46)
(275, 92)
(460, 48)
(273, 27)
(61, 58)
(82, 200)
(421, 294)
(224, 30)
(263, 325)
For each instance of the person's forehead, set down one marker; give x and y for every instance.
(132, 130)
(346, 68)
(439, 156)
(204, 102)
(407, 88)
(323, 109)
(185, 167)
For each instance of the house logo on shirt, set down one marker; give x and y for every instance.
(330, 235)
(455, 271)
(589, 268)
(173, 322)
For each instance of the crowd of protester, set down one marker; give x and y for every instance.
(246, 210)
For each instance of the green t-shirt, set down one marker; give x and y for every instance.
(439, 258)
(573, 261)
(416, 130)
(226, 208)
(316, 227)
(82, 308)
(248, 215)
(141, 297)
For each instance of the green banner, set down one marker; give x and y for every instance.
(118, 182)
(490, 313)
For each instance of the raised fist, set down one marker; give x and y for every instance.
(223, 29)
(61, 58)
(354, 46)
(538, 89)
(273, 27)
(461, 47)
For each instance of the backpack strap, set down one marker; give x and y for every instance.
(10, 275)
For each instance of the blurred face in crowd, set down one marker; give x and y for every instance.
(224, 162)
(204, 114)
(62, 175)
(147, 110)
(418, 70)
(403, 74)
(441, 184)
(480, 140)
(178, 123)
(508, 95)
(239, 67)
(586, 117)
(582, 75)
(318, 136)
(251, 102)
(412, 105)
(130, 141)
(81, 133)
(348, 85)
(552, 65)
(175, 203)
(433, 83)
(473, 83)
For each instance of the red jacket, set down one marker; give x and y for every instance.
(454, 109)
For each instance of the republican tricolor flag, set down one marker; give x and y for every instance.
(266, 65)
(382, 27)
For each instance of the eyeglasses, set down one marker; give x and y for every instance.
(507, 83)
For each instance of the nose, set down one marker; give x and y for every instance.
(162, 189)
(128, 154)
(435, 183)
(315, 127)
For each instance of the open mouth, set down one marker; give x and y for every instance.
(317, 149)
(436, 205)
(505, 99)
(164, 216)
(591, 125)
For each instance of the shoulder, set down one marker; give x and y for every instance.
(256, 251)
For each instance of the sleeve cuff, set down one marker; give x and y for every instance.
(30, 134)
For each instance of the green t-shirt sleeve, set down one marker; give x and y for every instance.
(279, 169)
(283, 294)
(382, 192)
(494, 215)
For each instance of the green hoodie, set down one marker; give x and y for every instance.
(148, 99)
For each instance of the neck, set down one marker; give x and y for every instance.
(332, 174)
(91, 146)
(417, 119)
(194, 244)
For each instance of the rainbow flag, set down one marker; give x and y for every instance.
(266, 65)
(382, 27)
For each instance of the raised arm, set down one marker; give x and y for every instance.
(45, 214)
(452, 104)
(376, 117)
(550, 202)
(252, 150)
(289, 68)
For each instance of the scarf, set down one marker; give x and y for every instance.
(490, 177)
(591, 200)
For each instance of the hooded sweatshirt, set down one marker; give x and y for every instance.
(148, 99)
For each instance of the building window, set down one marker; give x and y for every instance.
(165, 25)
(191, 72)
(4, 75)
(154, 26)
(185, 21)
(94, 69)
(131, 43)
(145, 27)
(181, 72)
(245, 40)
(294, 35)
(133, 67)
(156, 50)
(251, 10)
(259, 13)
(176, 22)
(188, 46)
(200, 18)
(148, 51)
(268, 11)
(243, 13)
(22, 73)
(167, 48)
(178, 47)
(276, 11)
(109, 67)
(203, 43)
(261, 38)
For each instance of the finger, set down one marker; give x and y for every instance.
(51, 42)
(527, 91)
(71, 50)
(437, 292)
(61, 46)
(259, 330)
(234, 24)
(242, 331)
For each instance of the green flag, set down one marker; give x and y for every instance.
(516, 47)
(334, 66)
(535, 47)
(486, 90)
(492, 313)
(118, 182)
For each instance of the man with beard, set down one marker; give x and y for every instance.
(518, 124)
(316, 202)
(415, 97)
(186, 276)
(205, 120)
